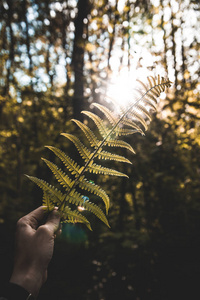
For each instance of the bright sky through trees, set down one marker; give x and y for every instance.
(131, 49)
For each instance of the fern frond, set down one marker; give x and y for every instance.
(133, 119)
(131, 124)
(74, 197)
(77, 199)
(124, 132)
(61, 176)
(143, 110)
(47, 201)
(88, 133)
(95, 189)
(150, 82)
(70, 216)
(107, 155)
(99, 123)
(56, 196)
(70, 164)
(108, 114)
(96, 211)
(145, 87)
(119, 143)
(134, 114)
(97, 169)
(83, 151)
(153, 93)
(149, 103)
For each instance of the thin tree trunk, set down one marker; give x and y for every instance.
(11, 49)
(112, 35)
(78, 58)
(164, 38)
(183, 66)
(28, 39)
(173, 32)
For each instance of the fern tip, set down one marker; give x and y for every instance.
(49, 147)
(89, 227)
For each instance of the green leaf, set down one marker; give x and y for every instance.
(110, 156)
(119, 143)
(54, 194)
(130, 121)
(71, 165)
(93, 188)
(83, 151)
(97, 169)
(99, 123)
(107, 113)
(88, 133)
(61, 176)
(70, 216)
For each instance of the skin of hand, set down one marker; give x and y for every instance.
(34, 248)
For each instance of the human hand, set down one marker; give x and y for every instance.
(34, 249)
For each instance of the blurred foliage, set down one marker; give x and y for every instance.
(152, 248)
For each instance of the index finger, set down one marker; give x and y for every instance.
(35, 217)
(53, 221)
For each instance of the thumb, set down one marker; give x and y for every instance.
(53, 221)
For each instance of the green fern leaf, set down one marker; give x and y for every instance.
(139, 118)
(107, 113)
(150, 82)
(107, 155)
(144, 111)
(71, 165)
(131, 124)
(77, 199)
(131, 120)
(83, 151)
(61, 176)
(119, 143)
(74, 197)
(96, 169)
(152, 94)
(96, 211)
(145, 87)
(56, 196)
(70, 216)
(47, 202)
(93, 188)
(124, 132)
(99, 123)
(88, 133)
(149, 103)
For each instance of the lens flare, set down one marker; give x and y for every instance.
(121, 89)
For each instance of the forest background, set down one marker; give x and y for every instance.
(56, 58)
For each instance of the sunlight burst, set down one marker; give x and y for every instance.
(121, 88)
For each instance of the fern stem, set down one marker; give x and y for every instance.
(106, 137)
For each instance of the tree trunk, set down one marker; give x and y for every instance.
(11, 49)
(112, 35)
(27, 39)
(78, 58)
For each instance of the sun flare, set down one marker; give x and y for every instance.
(121, 88)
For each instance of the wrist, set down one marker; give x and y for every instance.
(30, 281)
(13, 291)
